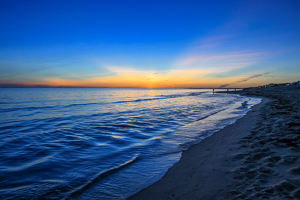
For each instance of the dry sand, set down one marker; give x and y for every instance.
(255, 158)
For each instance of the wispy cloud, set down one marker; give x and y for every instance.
(212, 53)
(251, 77)
(219, 62)
(208, 42)
(233, 57)
(244, 79)
(224, 86)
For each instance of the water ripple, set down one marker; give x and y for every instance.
(87, 143)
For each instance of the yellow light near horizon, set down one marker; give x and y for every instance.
(177, 78)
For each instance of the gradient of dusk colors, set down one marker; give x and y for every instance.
(149, 44)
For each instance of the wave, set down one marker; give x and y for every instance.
(94, 137)
(138, 100)
(211, 114)
(161, 97)
(106, 173)
(245, 104)
(182, 95)
(27, 165)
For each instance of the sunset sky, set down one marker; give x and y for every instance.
(149, 44)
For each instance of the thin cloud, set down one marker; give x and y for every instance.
(208, 53)
(251, 77)
(244, 79)
(233, 57)
(223, 86)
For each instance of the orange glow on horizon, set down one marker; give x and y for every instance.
(174, 79)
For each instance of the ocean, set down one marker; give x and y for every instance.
(97, 143)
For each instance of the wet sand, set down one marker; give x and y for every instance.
(257, 157)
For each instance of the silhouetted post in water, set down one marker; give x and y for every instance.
(227, 89)
(213, 91)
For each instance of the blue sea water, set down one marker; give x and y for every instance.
(59, 143)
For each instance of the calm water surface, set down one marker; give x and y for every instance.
(102, 143)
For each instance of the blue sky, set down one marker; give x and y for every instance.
(149, 43)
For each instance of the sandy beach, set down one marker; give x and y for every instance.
(257, 157)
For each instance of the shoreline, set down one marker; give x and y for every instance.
(194, 175)
(257, 157)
